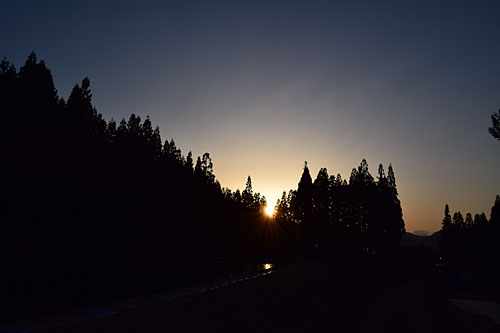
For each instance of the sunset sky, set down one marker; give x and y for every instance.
(266, 85)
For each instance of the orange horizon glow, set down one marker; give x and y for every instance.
(269, 210)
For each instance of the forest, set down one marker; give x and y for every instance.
(94, 209)
(471, 243)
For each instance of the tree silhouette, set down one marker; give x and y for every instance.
(446, 225)
(106, 206)
(458, 221)
(471, 243)
(303, 198)
(446, 240)
(495, 213)
(247, 194)
(85, 195)
(495, 128)
(189, 162)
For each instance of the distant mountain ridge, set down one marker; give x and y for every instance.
(412, 240)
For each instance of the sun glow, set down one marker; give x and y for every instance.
(269, 210)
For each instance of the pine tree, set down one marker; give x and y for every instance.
(111, 131)
(189, 161)
(89, 122)
(361, 177)
(147, 131)
(458, 221)
(237, 197)
(197, 168)
(446, 240)
(382, 179)
(321, 190)
(134, 125)
(446, 224)
(495, 213)
(156, 145)
(247, 194)
(122, 133)
(282, 209)
(207, 167)
(303, 207)
(173, 154)
(8, 81)
(304, 199)
(469, 222)
(391, 179)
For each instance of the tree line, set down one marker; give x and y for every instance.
(93, 207)
(471, 242)
(336, 216)
(67, 166)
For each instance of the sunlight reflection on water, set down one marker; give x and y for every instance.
(264, 267)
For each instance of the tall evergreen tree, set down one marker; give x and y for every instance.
(391, 179)
(304, 196)
(446, 224)
(282, 209)
(156, 145)
(495, 213)
(237, 197)
(458, 221)
(189, 161)
(303, 207)
(469, 222)
(207, 168)
(321, 190)
(247, 194)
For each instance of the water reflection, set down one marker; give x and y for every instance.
(264, 267)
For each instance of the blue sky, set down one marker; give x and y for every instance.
(265, 85)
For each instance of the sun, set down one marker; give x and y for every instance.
(269, 210)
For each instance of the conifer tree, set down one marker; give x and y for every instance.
(207, 167)
(189, 161)
(495, 213)
(446, 224)
(247, 194)
(237, 197)
(8, 81)
(304, 199)
(469, 222)
(111, 131)
(391, 179)
(458, 221)
(156, 145)
(282, 209)
(147, 130)
(134, 125)
(382, 179)
(321, 190)
(197, 168)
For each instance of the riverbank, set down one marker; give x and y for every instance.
(309, 297)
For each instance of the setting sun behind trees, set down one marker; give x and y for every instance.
(269, 210)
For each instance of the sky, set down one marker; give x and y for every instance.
(265, 85)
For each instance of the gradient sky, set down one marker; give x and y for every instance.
(266, 85)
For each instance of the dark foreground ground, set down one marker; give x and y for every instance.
(305, 298)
